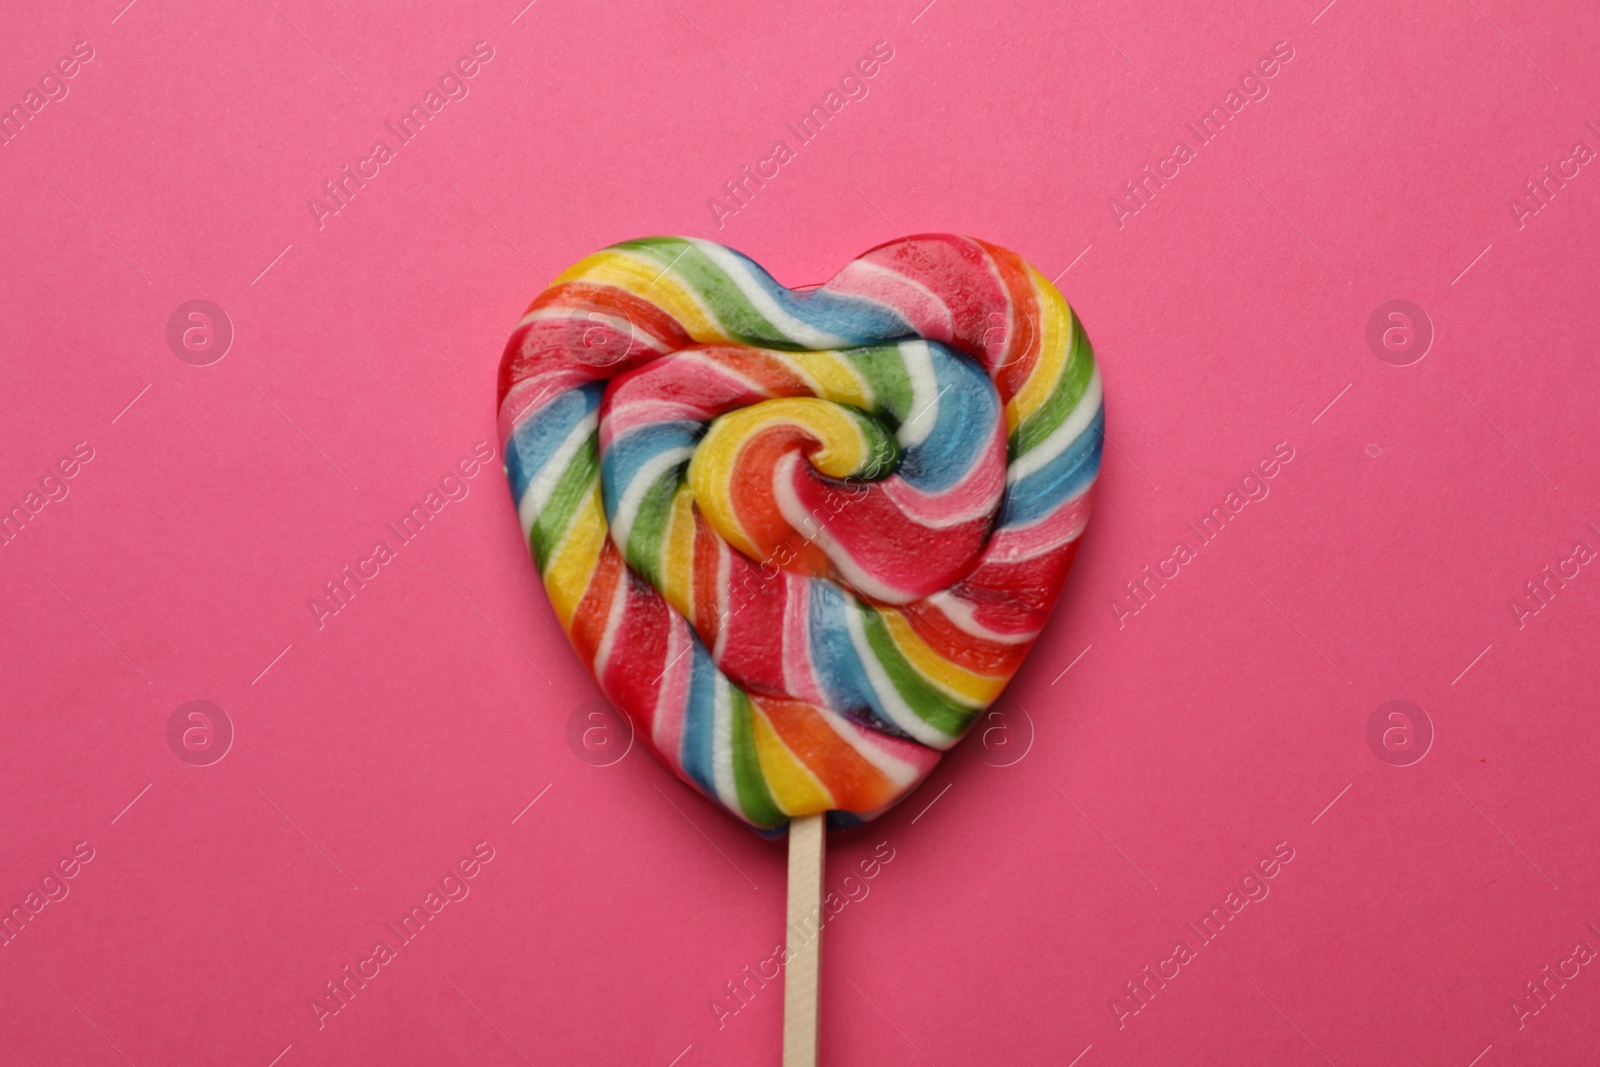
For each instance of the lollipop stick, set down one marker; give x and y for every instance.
(804, 940)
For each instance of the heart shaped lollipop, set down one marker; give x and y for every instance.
(802, 539)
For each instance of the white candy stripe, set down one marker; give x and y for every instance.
(738, 271)
(893, 706)
(633, 494)
(1071, 428)
(544, 483)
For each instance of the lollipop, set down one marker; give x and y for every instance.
(803, 539)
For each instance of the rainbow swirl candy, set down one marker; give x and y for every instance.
(802, 538)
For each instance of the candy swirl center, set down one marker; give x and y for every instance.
(878, 468)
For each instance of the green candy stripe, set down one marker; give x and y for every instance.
(581, 475)
(885, 372)
(754, 797)
(722, 298)
(1063, 399)
(649, 531)
(931, 706)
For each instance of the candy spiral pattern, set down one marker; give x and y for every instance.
(802, 539)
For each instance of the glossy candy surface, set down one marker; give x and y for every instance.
(801, 538)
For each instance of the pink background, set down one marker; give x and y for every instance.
(1227, 716)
